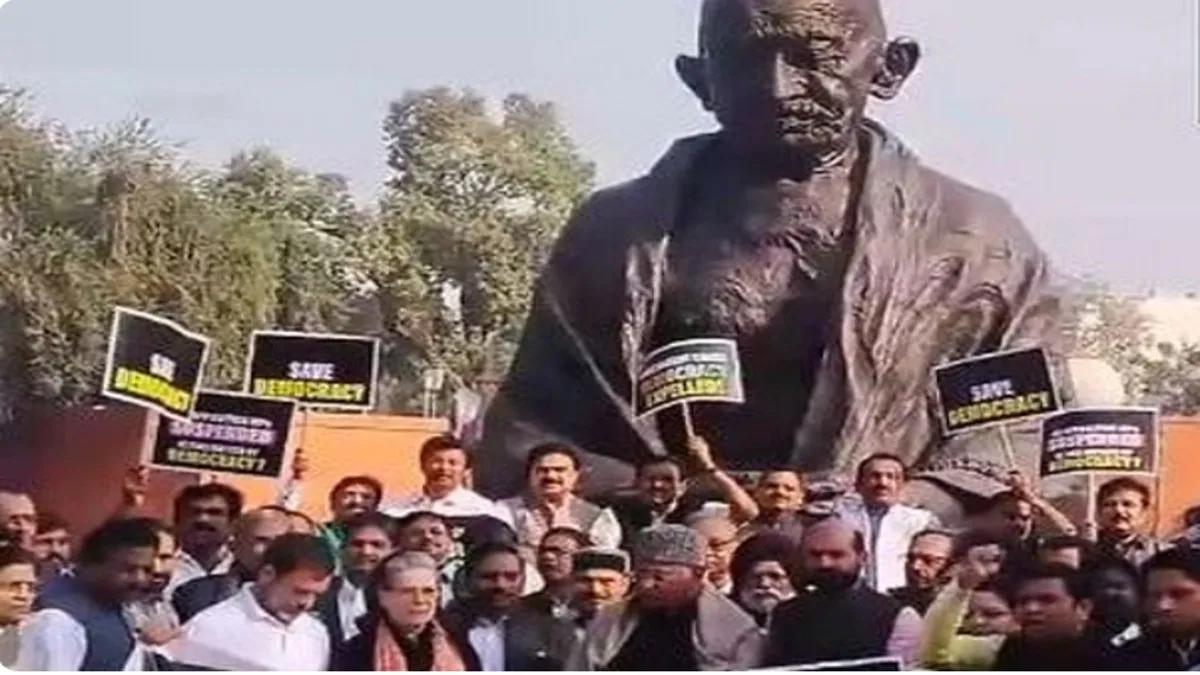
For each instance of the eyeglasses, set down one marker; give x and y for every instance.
(721, 544)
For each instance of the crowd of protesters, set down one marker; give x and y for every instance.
(687, 570)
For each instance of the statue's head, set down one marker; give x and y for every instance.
(792, 77)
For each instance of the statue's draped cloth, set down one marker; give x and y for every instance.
(938, 271)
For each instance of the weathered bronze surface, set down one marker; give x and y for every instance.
(845, 269)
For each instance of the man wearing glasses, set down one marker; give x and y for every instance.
(720, 536)
(925, 569)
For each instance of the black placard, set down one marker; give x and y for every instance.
(1100, 440)
(690, 371)
(323, 371)
(995, 389)
(154, 362)
(228, 433)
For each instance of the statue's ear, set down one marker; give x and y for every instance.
(900, 59)
(691, 70)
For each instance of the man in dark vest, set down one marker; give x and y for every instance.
(673, 620)
(835, 616)
(80, 626)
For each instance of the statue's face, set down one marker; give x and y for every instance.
(791, 76)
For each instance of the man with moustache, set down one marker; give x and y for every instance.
(444, 464)
(152, 615)
(601, 578)
(552, 476)
(350, 497)
(496, 631)
(18, 519)
(665, 494)
(1123, 509)
(555, 558)
(204, 515)
(844, 268)
(888, 526)
(780, 496)
(838, 615)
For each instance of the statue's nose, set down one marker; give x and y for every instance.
(782, 78)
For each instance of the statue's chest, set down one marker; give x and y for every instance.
(759, 279)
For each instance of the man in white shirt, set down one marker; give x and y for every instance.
(204, 516)
(887, 525)
(80, 624)
(444, 463)
(17, 583)
(267, 625)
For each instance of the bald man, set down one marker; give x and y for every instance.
(838, 615)
(18, 519)
(253, 532)
(844, 269)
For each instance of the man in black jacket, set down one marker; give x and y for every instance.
(555, 558)
(496, 631)
(925, 568)
(1172, 589)
(1051, 603)
(835, 616)
(370, 538)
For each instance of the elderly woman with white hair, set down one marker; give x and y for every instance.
(400, 630)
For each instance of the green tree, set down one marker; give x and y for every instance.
(472, 208)
(1171, 379)
(312, 220)
(97, 219)
(1109, 326)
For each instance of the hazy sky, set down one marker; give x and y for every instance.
(1082, 113)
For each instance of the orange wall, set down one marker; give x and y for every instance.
(339, 445)
(72, 461)
(1180, 471)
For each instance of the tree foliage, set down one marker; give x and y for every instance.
(1105, 325)
(472, 207)
(443, 270)
(98, 219)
